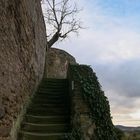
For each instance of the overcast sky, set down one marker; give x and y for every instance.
(111, 45)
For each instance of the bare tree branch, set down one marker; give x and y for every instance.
(61, 16)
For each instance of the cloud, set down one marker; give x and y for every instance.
(108, 39)
(122, 77)
(105, 47)
(121, 84)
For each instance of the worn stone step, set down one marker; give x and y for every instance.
(64, 89)
(54, 85)
(47, 119)
(57, 96)
(55, 80)
(45, 128)
(52, 93)
(43, 92)
(46, 98)
(49, 105)
(58, 93)
(51, 109)
(49, 99)
(53, 90)
(47, 113)
(50, 96)
(49, 102)
(44, 112)
(39, 136)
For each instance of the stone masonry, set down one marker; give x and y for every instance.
(22, 57)
(57, 63)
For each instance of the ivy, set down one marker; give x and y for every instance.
(75, 135)
(96, 100)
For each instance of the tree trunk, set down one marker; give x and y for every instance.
(54, 39)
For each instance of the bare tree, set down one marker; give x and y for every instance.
(61, 19)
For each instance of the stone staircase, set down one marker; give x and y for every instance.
(48, 115)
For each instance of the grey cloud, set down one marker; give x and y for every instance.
(123, 78)
(121, 83)
(124, 104)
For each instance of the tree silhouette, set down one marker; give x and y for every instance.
(61, 19)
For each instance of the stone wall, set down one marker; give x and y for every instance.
(80, 115)
(22, 56)
(82, 125)
(57, 63)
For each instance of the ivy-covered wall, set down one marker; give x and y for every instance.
(90, 110)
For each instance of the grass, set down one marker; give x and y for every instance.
(131, 136)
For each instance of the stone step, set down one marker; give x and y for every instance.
(49, 96)
(47, 113)
(61, 93)
(47, 119)
(45, 84)
(39, 136)
(49, 99)
(49, 105)
(49, 110)
(52, 93)
(55, 80)
(53, 90)
(45, 128)
(54, 85)
(57, 86)
(57, 96)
